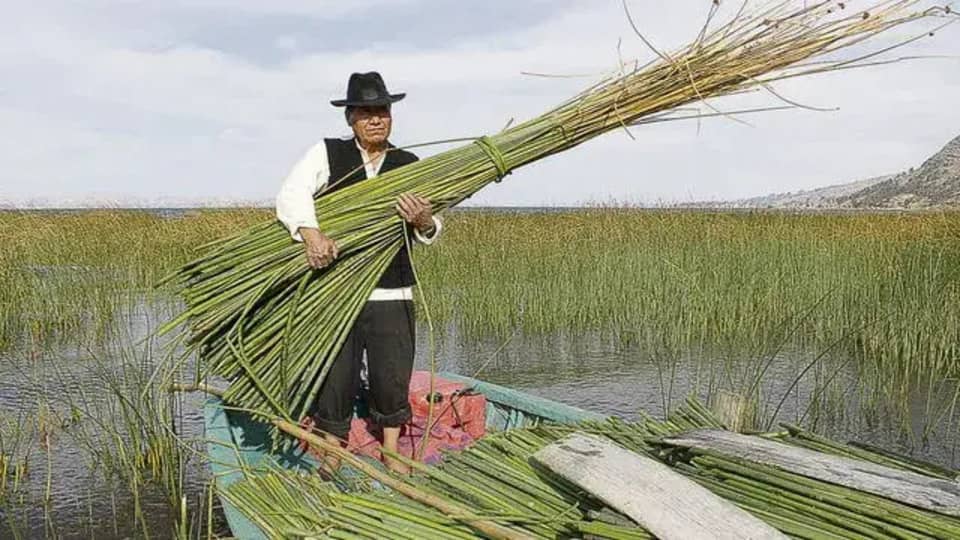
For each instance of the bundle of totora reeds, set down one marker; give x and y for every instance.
(497, 480)
(260, 317)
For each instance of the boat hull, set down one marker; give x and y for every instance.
(238, 445)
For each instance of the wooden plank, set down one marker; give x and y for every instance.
(736, 412)
(911, 488)
(668, 504)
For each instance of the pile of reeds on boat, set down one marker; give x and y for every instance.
(496, 482)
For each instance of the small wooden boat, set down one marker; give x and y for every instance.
(237, 443)
(878, 492)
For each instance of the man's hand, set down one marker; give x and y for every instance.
(416, 211)
(320, 249)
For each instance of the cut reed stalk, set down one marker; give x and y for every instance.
(453, 510)
(264, 320)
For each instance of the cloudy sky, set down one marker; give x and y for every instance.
(133, 101)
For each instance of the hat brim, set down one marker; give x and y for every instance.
(379, 102)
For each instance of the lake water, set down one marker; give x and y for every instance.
(588, 371)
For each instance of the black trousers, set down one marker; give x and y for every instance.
(386, 330)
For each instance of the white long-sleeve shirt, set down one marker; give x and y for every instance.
(311, 174)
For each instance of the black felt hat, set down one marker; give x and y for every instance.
(367, 90)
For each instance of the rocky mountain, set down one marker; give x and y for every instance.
(935, 184)
(825, 197)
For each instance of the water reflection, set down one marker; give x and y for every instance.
(821, 391)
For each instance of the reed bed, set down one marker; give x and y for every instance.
(881, 289)
(65, 276)
(89, 442)
(496, 478)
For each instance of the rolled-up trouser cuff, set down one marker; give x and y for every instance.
(334, 427)
(396, 419)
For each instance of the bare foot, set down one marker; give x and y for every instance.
(397, 466)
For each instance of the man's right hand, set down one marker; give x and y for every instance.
(319, 248)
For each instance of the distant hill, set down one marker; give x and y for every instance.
(936, 184)
(825, 197)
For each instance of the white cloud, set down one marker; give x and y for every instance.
(310, 8)
(85, 112)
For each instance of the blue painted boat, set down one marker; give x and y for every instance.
(237, 444)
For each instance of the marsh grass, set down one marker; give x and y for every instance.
(15, 433)
(71, 285)
(94, 422)
(65, 276)
(885, 288)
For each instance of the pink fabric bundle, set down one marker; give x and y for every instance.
(459, 418)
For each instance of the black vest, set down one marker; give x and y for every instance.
(346, 168)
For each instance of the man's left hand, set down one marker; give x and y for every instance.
(416, 211)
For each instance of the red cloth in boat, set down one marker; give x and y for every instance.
(459, 418)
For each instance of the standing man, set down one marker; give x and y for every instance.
(385, 328)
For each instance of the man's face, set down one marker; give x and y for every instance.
(371, 125)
